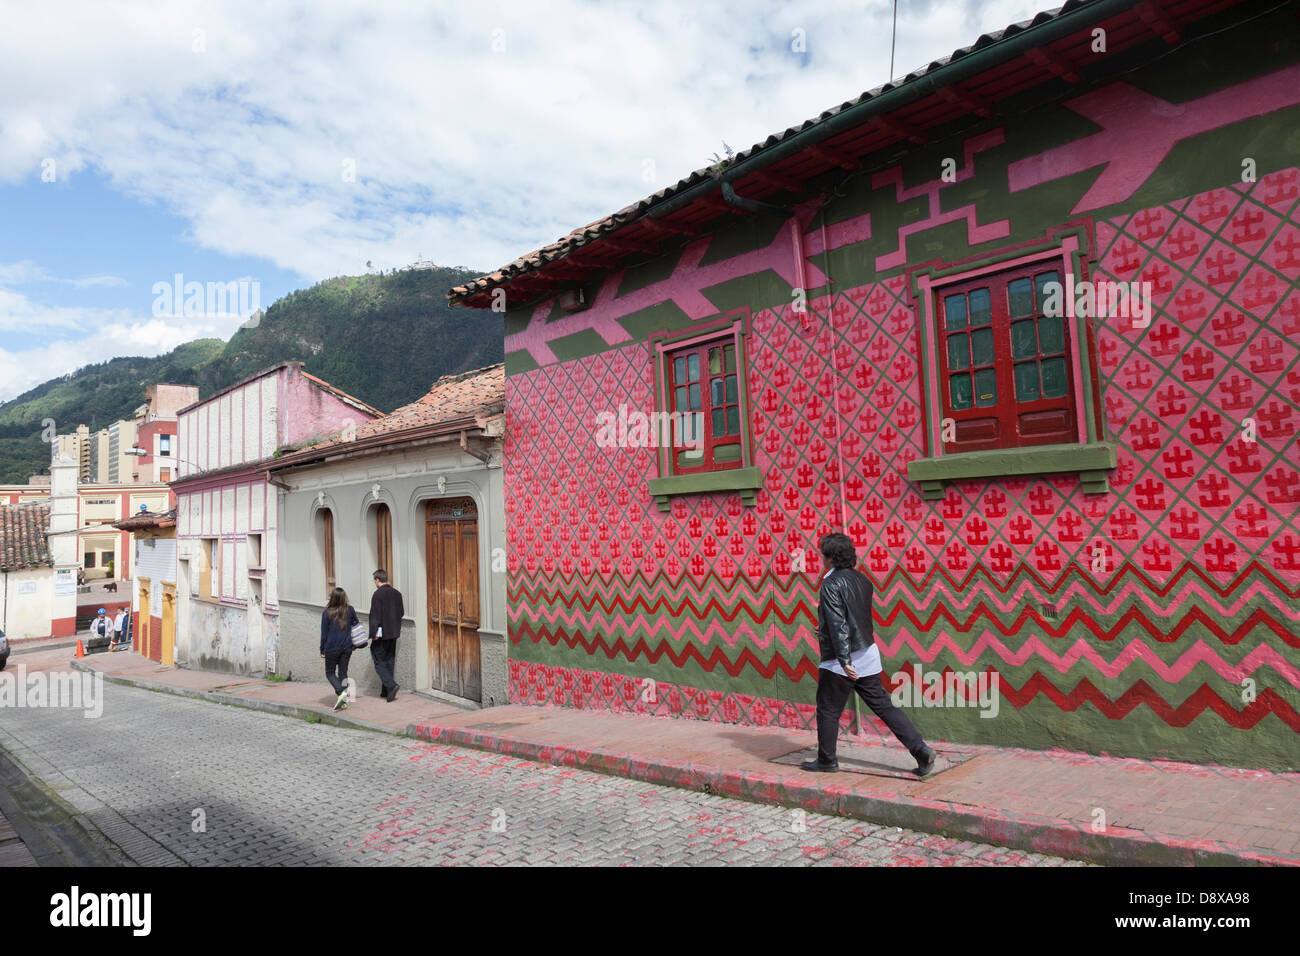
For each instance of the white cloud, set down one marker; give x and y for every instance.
(463, 154)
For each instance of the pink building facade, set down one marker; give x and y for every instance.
(227, 580)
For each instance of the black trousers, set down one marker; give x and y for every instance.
(384, 654)
(337, 661)
(833, 692)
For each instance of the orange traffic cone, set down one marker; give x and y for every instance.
(81, 651)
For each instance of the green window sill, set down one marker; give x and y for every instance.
(747, 481)
(1091, 462)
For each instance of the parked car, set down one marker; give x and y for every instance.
(4, 650)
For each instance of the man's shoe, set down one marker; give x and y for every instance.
(925, 761)
(816, 766)
(393, 696)
(342, 701)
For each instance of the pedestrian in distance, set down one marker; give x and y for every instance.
(850, 659)
(101, 627)
(386, 612)
(336, 623)
(119, 629)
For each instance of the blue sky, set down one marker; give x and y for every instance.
(287, 143)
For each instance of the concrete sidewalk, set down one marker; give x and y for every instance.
(1107, 810)
(310, 701)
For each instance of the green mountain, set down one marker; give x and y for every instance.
(382, 338)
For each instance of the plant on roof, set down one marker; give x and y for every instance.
(722, 162)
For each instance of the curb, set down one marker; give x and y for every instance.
(1037, 834)
(301, 711)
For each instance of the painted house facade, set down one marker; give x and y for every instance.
(227, 516)
(1079, 522)
(153, 586)
(419, 493)
(26, 572)
(98, 507)
(38, 558)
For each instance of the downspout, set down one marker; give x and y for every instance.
(732, 198)
(839, 453)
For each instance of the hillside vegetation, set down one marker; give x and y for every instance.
(382, 338)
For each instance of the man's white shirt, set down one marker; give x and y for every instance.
(865, 661)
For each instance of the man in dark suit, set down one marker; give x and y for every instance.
(386, 612)
(850, 659)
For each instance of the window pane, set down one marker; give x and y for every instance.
(954, 311)
(695, 392)
(1020, 297)
(730, 354)
(1027, 382)
(693, 367)
(958, 353)
(981, 307)
(981, 345)
(719, 421)
(679, 370)
(1040, 285)
(959, 391)
(733, 420)
(681, 403)
(715, 361)
(1055, 379)
(986, 387)
(1051, 334)
(733, 389)
(1023, 343)
(716, 391)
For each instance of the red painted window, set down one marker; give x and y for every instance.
(704, 396)
(1005, 367)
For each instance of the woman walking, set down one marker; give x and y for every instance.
(336, 623)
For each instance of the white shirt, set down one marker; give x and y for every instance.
(865, 661)
(119, 621)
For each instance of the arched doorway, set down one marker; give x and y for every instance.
(451, 556)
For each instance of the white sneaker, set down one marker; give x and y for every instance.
(342, 701)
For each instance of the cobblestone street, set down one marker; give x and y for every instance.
(174, 781)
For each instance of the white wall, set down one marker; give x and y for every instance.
(26, 603)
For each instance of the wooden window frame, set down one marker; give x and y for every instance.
(739, 476)
(327, 549)
(703, 352)
(1089, 455)
(1008, 410)
(384, 538)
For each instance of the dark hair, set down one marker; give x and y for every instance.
(381, 576)
(337, 609)
(839, 551)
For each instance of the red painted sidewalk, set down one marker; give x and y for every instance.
(1109, 810)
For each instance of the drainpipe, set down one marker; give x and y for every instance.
(839, 430)
(732, 198)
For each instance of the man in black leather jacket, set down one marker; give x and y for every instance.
(850, 659)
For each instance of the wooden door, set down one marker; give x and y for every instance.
(168, 624)
(451, 554)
